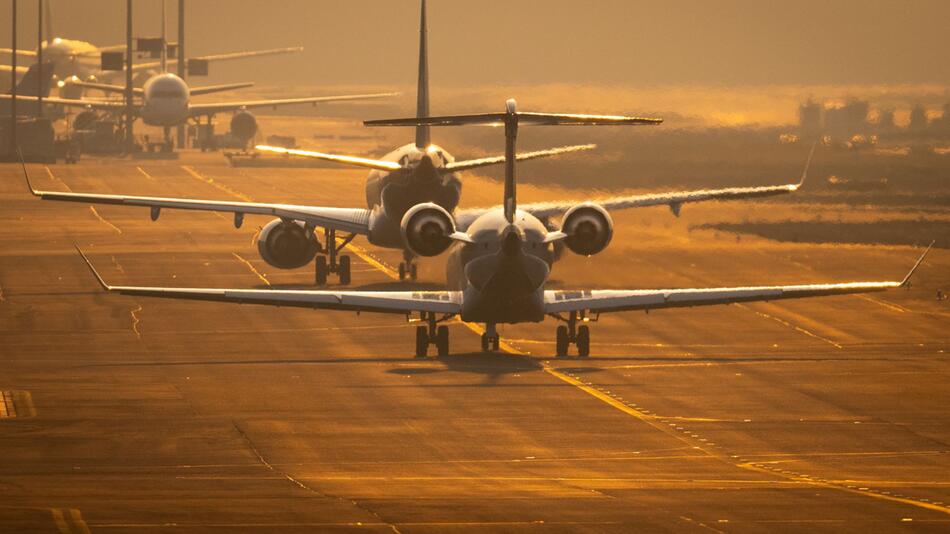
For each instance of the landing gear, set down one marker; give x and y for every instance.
(571, 333)
(406, 267)
(339, 266)
(490, 339)
(432, 335)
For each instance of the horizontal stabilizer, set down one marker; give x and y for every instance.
(456, 166)
(543, 119)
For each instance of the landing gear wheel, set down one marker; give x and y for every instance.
(413, 271)
(442, 340)
(583, 341)
(485, 343)
(562, 341)
(422, 342)
(321, 271)
(344, 270)
(402, 271)
(495, 343)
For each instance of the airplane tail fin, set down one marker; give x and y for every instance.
(422, 88)
(48, 23)
(164, 56)
(31, 84)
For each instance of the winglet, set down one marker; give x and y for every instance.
(807, 165)
(95, 273)
(26, 174)
(919, 261)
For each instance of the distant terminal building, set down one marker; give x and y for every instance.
(854, 117)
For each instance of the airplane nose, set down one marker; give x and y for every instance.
(511, 243)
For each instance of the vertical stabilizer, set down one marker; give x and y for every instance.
(164, 42)
(511, 137)
(48, 15)
(422, 89)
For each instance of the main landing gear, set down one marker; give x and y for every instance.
(571, 333)
(490, 339)
(432, 335)
(407, 268)
(339, 266)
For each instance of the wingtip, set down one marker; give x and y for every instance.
(92, 269)
(26, 174)
(920, 260)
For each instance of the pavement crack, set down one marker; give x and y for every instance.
(136, 321)
(305, 487)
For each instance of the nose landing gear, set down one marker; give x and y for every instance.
(490, 339)
(339, 266)
(571, 333)
(407, 268)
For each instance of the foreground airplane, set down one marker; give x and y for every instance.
(409, 175)
(505, 262)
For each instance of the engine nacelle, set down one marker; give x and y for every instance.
(589, 229)
(426, 229)
(286, 245)
(84, 120)
(243, 125)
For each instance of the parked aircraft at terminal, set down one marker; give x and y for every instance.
(505, 260)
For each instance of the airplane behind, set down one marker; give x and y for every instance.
(504, 268)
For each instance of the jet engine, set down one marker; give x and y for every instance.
(426, 229)
(243, 126)
(85, 120)
(589, 229)
(286, 244)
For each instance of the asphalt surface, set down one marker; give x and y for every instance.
(122, 414)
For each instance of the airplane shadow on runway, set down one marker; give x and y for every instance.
(492, 365)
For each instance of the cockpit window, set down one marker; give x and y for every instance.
(166, 93)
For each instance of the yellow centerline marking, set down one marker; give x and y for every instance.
(888, 305)
(101, 219)
(147, 175)
(250, 266)
(210, 181)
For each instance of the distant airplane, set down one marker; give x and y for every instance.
(77, 60)
(505, 266)
(165, 98)
(409, 175)
(31, 85)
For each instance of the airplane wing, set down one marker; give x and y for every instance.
(379, 164)
(19, 68)
(353, 220)
(401, 302)
(208, 89)
(610, 300)
(674, 200)
(198, 110)
(19, 51)
(107, 87)
(103, 105)
(221, 57)
(465, 165)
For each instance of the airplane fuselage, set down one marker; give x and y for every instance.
(389, 194)
(502, 273)
(165, 101)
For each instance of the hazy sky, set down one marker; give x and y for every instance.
(593, 42)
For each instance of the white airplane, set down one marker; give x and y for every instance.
(505, 256)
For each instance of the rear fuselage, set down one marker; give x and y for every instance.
(389, 194)
(502, 273)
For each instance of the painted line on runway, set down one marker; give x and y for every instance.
(16, 404)
(136, 321)
(147, 175)
(789, 325)
(262, 277)
(2, 298)
(91, 208)
(210, 181)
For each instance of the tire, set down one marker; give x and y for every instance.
(413, 271)
(344, 270)
(442, 340)
(562, 341)
(583, 341)
(402, 271)
(321, 271)
(485, 344)
(422, 342)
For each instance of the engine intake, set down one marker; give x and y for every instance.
(426, 229)
(589, 229)
(286, 244)
(243, 125)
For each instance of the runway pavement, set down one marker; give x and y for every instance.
(122, 414)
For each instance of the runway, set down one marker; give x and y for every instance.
(123, 415)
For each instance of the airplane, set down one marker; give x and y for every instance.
(31, 85)
(77, 60)
(411, 174)
(505, 264)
